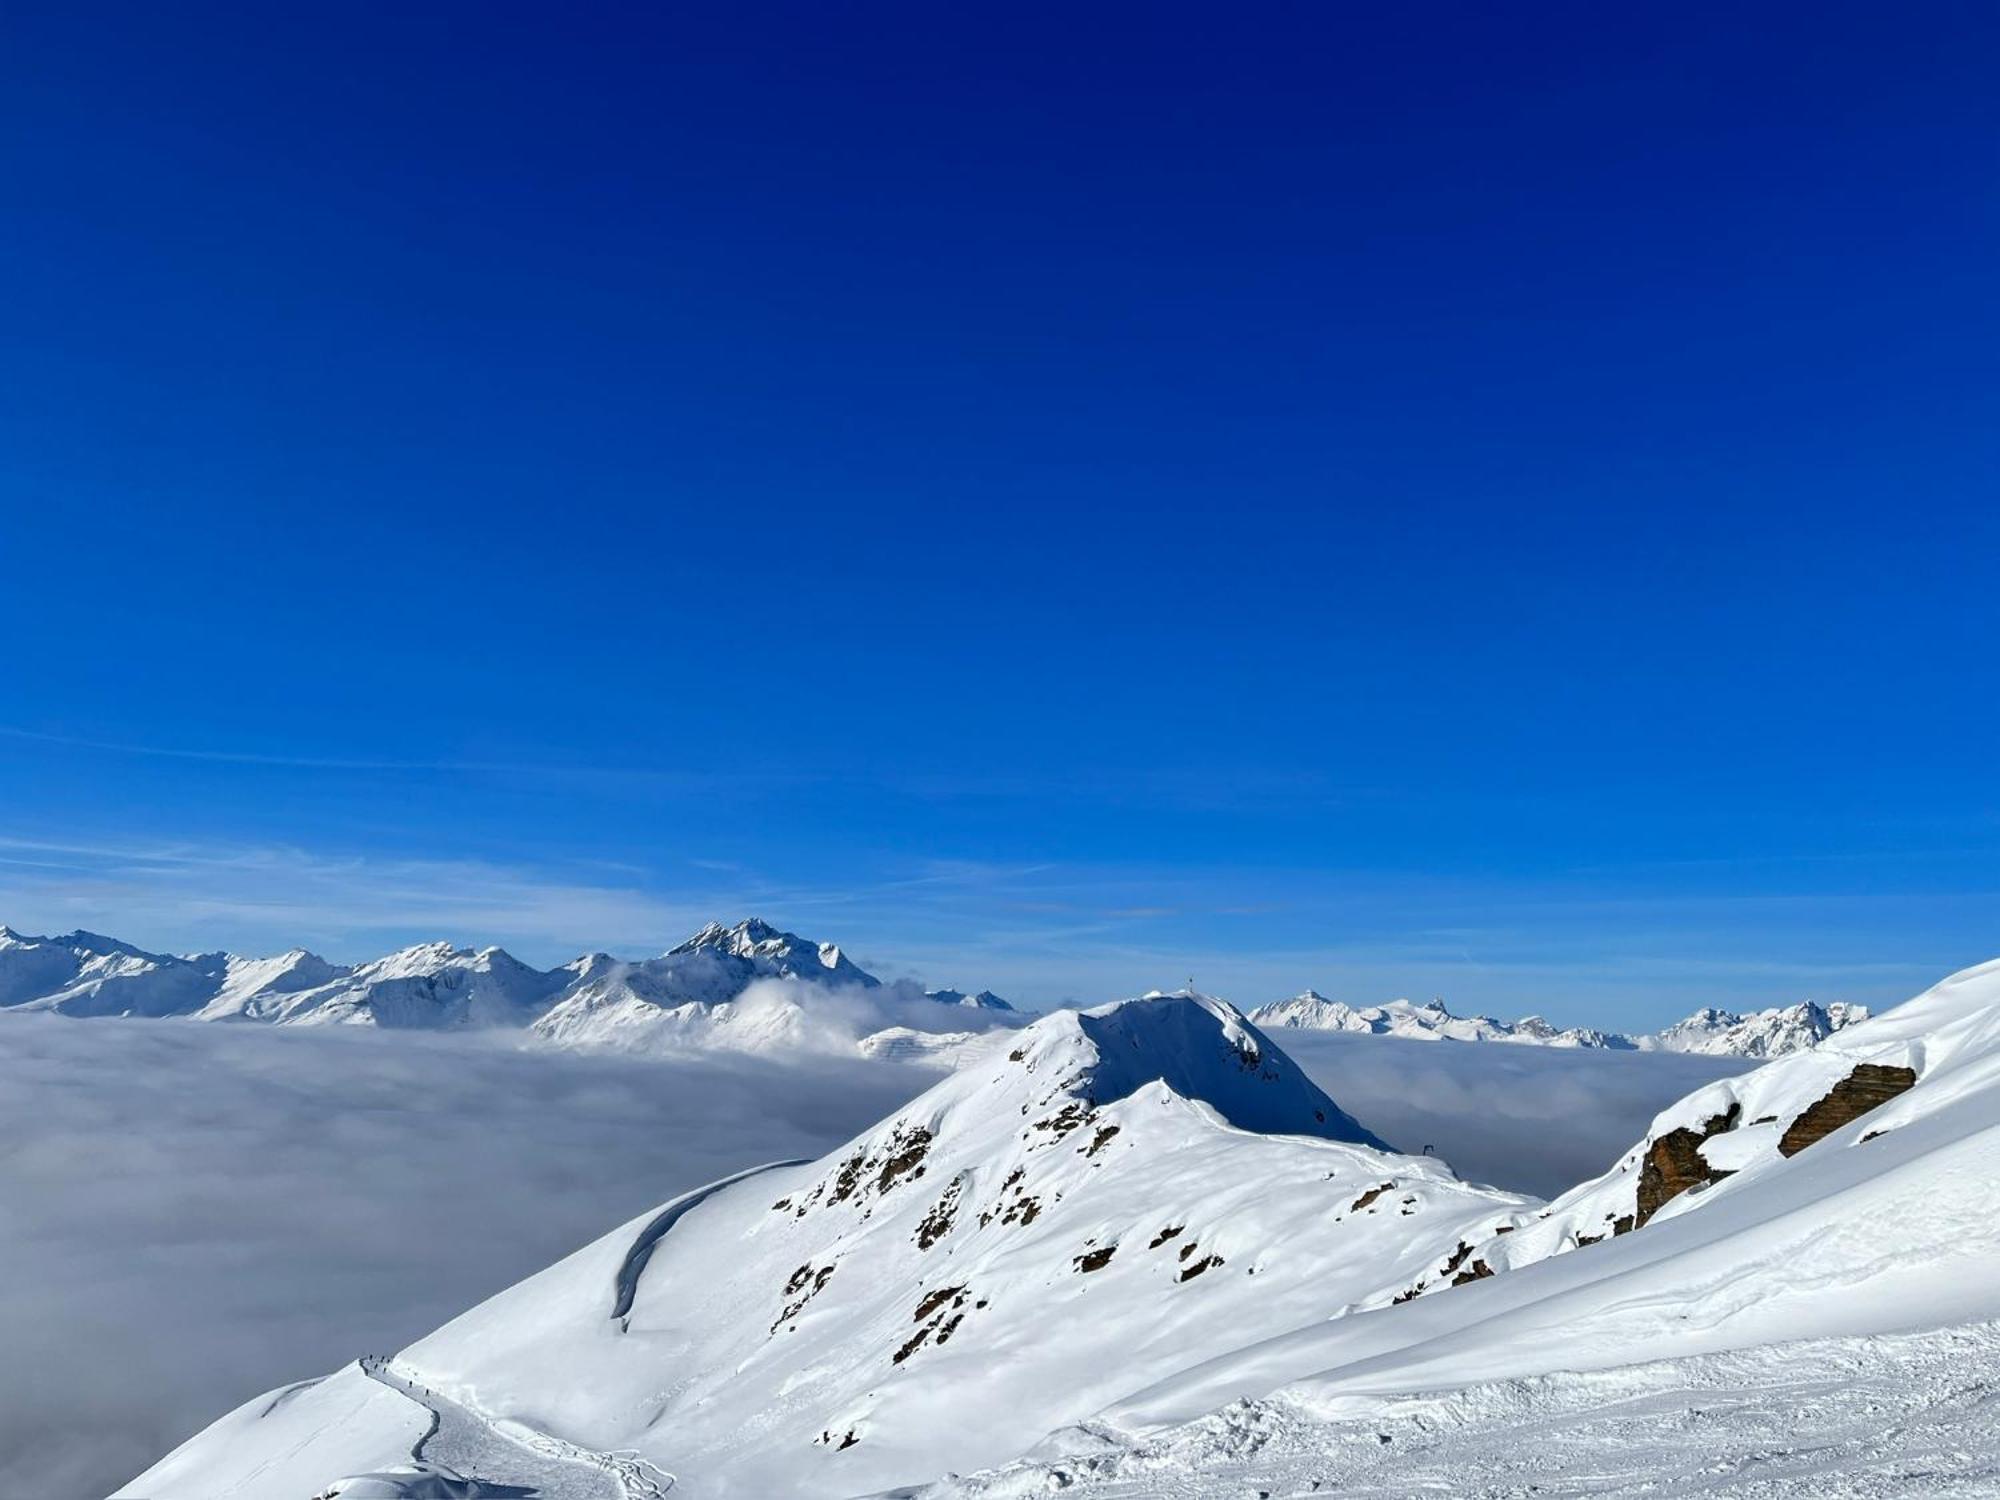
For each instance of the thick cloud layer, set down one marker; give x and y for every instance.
(192, 1214)
(1534, 1119)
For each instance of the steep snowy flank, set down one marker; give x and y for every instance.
(85, 974)
(1088, 1207)
(1727, 1139)
(1847, 1195)
(753, 988)
(1851, 1189)
(429, 986)
(1718, 1033)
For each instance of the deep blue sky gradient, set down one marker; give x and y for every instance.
(1486, 500)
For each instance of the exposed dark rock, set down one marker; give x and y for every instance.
(934, 1300)
(1064, 1120)
(1674, 1163)
(941, 1307)
(1369, 1197)
(1164, 1235)
(936, 1224)
(1188, 1273)
(907, 1158)
(848, 1178)
(1869, 1085)
(805, 1284)
(1097, 1144)
(1096, 1260)
(1477, 1271)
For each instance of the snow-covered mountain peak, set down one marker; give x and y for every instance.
(776, 952)
(1200, 1047)
(983, 1000)
(1037, 1234)
(95, 942)
(1764, 1033)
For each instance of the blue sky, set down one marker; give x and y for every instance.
(1491, 504)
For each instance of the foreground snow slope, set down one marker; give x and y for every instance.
(1910, 1416)
(1883, 1223)
(1056, 1224)
(289, 1444)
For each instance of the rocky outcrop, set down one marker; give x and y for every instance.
(1867, 1087)
(1674, 1164)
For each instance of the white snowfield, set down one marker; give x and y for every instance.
(1711, 1032)
(1138, 1253)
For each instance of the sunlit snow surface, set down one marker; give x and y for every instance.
(1053, 1267)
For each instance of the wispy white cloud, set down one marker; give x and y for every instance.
(191, 895)
(672, 777)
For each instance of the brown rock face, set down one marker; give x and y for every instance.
(1869, 1085)
(1674, 1164)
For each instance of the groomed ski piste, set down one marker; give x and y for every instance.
(1140, 1254)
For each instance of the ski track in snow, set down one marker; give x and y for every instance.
(512, 1460)
(1903, 1415)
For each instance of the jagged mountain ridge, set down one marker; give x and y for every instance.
(680, 998)
(1709, 1031)
(1117, 1192)
(686, 994)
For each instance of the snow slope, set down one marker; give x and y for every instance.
(1830, 1225)
(1910, 1415)
(1090, 1210)
(1138, 1253)
(1715, 1033)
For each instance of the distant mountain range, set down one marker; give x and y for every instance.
(750, 987)
(1711, 1032)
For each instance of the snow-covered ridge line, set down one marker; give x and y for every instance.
(746, 987)
(1085, 1206)
(699, 995)
(1716, 1033)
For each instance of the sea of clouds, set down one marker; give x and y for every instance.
(191, 1214)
